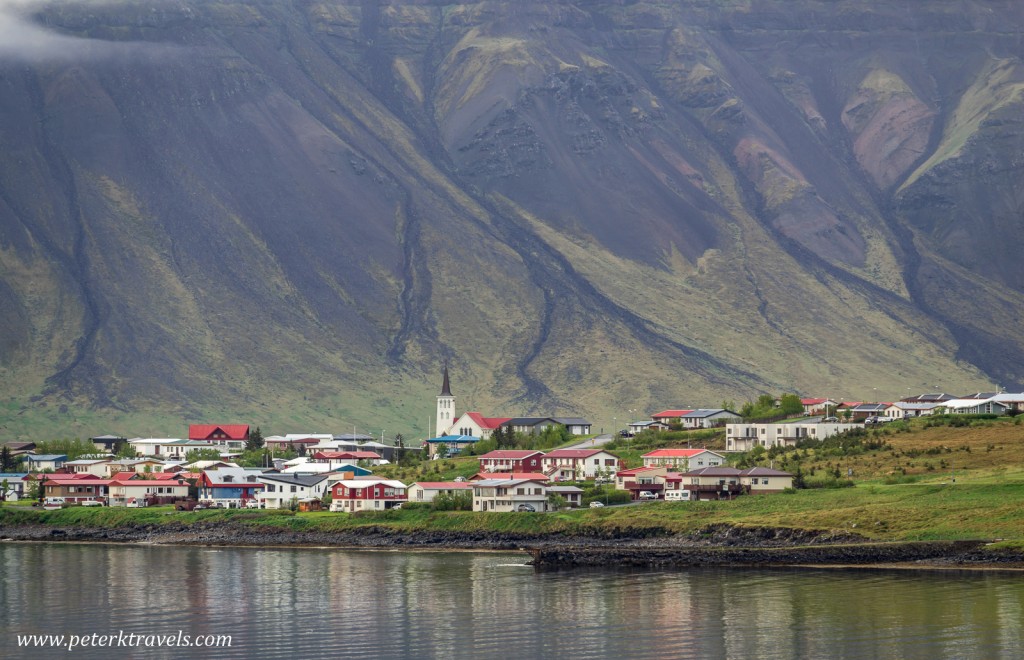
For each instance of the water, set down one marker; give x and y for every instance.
(310, 603)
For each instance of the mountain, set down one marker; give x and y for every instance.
(294, 213)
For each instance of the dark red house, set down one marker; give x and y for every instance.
(511, 460)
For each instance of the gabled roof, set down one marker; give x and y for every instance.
(367, 482)
(707, 412)
(511, 453)
(94, 481)
(444, 485)
(572, 421)
(574, 453)
(637, 470)
(675, 453)
(981, 396)
(531, 476)
(671, 413)
(238, 476)
(718, 471)
(763, 472)
(487, 422)
(871, 407)
(45, 457)
(348, 455)
(205, 431)
(297, 479)
(813, 402)
(507, 483)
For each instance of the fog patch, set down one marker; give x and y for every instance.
(23, 38)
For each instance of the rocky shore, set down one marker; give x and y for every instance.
(721, 545)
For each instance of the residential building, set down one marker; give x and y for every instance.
(230, 437)
(511, 460)
(16, 483)
(107, 443)
(573, 495)
(818, 406)
(344, 457)
(683, 459)
(905, 409)
(453, 444)
(579, 464)
(863, 411)
(534, 476)
(712, 483)
(79, 489)
(746, 436)
(281, 490)
(368, 494)
(639, 475)
(426, 491)
(706, 418)
(668, 417)
(979, 406)
(509, 495)
(40, 462)
(762, 480)
(229, 487)
(133, 488)
(97, 467)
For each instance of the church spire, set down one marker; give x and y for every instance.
(446, 388)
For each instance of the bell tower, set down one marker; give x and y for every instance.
(445, 406)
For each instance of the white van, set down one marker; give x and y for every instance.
(53, 502)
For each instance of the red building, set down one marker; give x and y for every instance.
(511, 460)
(351, 495)
(219, 434)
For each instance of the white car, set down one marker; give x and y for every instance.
(596, 505)
(647, 495)
(92, 503)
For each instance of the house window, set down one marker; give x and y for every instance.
(293, 488)
(271, 488)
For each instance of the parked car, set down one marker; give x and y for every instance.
(53, 502)
(253, 504)
(92, 503)
(526, 507)
(135, 502)
(625, 433)
(596, 505)
(830, 420)
(647, 495)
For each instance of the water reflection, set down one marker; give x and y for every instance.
(290, 603)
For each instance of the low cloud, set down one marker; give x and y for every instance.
(22, 38)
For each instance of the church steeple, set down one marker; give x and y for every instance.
(445, 406)
(446, 388)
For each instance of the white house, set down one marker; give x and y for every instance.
(746, 436)
(683, 459)
(122, 491)
(40, 462)
(426, 491)
(706, 418)
(15, 485)
(97, 467)
(572, 464)
(509, 495)
(280, 490)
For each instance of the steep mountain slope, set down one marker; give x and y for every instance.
(294, 212)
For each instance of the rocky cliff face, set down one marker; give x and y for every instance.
(238, 208)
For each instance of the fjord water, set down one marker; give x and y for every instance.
(311, 603)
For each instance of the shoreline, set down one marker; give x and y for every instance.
(729, 547)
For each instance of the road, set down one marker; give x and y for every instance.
(596, 441)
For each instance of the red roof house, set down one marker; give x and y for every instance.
(218, 433)
(511, 460)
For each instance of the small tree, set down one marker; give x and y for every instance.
(7, 462)
(557, 502)
(3, 491)
(202, 455)
(255, 440)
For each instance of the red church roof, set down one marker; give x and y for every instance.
(487, 422)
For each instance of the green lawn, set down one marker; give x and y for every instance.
(881, 512)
